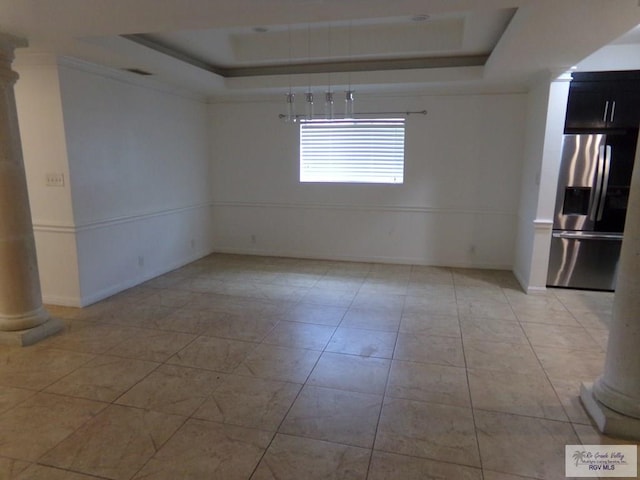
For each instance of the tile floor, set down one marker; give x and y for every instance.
(238, 367)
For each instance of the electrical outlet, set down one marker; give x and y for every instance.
(54, 179)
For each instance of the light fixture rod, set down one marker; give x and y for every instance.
(361, 114)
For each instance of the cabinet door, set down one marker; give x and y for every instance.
(588, 107)
(626, 109)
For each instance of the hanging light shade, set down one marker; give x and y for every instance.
(290, 116)
(309, 105)
(328, 105)
(348, 104)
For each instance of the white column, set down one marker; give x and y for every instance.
(23, 319)
(613, 401)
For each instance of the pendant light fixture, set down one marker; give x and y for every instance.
(348, 98)
(309, 95)
(328, 96)
(290, 97)
(309, 104)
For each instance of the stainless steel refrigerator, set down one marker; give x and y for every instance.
(591, 206)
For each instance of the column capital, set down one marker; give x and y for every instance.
(8, 44)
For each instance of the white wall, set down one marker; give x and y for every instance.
(45, 151)
(136, 200)
(546, 109)
(140, 169)
(458, 205)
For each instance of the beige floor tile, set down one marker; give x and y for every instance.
(421, 289)
(488, 294)
(485, 309)
(501, 357)
(568, 391)
(547, 317)
(207, 301)
(249, 402)
(337, 295)
(250, 328)
(484, 278)
(425, 289)
(300, 335)
(384, 286)
(233, 302)
(350, 372)
(279, 363)
(42, 472)
(115, 443)
(140, 316)
(279, 292)
(372, 319)
(336, 278)
(296, 458)
(598, 320)
(365, 343)
(601, 337)
(131, 296)
(41, 422)
(90, 337)
(104, 378)
(521, 394)
(221, 355)
(590, 435)
(294, 279)
(36, 367)
(429, 383)
(208, 450)
(489, 475)
(570, 364)
(389, 466)
(492, 330)
(559, 336)
(541, 301)
(97, 312)
(584, 301)
(429, 349)
(11, 397)
(379, 301)
(169, 298)
(318, 314)
(10, 468)
(425, 324)
(525, 446)
(173, 389)
(425, 305)
(152, 345)
(431, 275)
(428, 430)
(334, 415)
(188, 320)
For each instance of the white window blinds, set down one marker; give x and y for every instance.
(352, 151)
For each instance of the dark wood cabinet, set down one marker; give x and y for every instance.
(603, 101)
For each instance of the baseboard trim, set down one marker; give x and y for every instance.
(357, 258)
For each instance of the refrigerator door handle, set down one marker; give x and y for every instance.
(613, 111)
(588, 236)
(606, 110)
(605, 180)
(593, 209)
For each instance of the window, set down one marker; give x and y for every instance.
(352, 151)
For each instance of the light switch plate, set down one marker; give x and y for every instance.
(54, 179)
